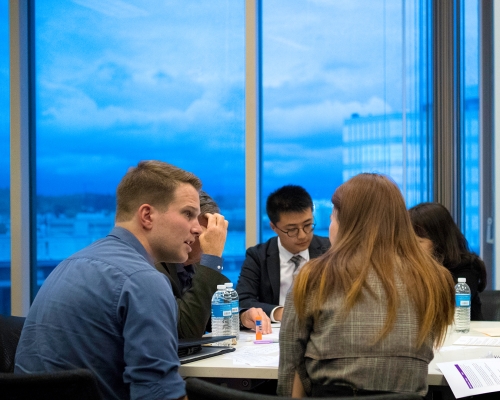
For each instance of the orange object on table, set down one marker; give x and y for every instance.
(258, 327)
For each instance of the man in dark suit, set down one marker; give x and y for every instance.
(269, 268)
(195, 281)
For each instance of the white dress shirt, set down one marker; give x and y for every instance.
(287, 268)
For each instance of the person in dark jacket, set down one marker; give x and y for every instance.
(269, 268)
(195, 281)
(439, 234)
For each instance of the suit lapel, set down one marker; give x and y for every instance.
(274, 269)
(170, 270)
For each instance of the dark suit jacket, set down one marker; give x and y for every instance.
(259, 281)
(194, 307)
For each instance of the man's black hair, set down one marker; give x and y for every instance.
(289, 198)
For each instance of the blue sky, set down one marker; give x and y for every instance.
(119, 81)
(123, 81)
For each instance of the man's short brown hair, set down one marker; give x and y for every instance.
(207, 204)
(151, 182)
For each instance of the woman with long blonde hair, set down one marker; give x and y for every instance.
(364, 317)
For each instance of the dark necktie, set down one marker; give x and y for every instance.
(296, 262)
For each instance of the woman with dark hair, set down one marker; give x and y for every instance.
(438, 234)
(364, 317)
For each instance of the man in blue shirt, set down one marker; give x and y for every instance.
(107, 308)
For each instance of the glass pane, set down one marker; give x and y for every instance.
(119, 82)
(4, 161)
(470, 122)
(345, 90)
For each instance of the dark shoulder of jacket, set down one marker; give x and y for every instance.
(324, 241)
(263, 247)
(162, 267)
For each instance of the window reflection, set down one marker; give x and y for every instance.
(4, 161)
(470, 123)
(345, 90)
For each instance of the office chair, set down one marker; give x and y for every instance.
(490, 304)
(76, 384)
(198, 389)
(10, 331)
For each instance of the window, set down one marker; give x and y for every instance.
(469, 134)
(345, 91)
(4, 161)
(346, 87)
(119, 82)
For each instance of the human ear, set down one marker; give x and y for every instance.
(146, 216)
(273, 227)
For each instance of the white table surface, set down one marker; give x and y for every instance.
(223, 366)
(456, 353)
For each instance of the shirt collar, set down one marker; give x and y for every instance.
(129, 238)
(181, 268)
(286, 255)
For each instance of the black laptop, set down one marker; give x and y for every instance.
(190, 350)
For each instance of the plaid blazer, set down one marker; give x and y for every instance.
(335, 350)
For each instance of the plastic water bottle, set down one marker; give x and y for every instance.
(235, 310)
(221, 314)
(462, 306)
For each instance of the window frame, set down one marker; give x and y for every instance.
(23, 180)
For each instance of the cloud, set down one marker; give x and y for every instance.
(287, 42)
(113, 8)
(80, 112)
(327, 116)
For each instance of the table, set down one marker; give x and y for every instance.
(222, 367)
(445, 354)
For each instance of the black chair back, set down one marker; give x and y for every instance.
(490, 305)
(10, 331)
(76, 384)
(198, 389)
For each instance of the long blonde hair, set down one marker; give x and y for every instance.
(375, 234)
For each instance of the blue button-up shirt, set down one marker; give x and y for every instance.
(106, 308)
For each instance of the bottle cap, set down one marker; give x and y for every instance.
(461, 280)
(229, 284)
(221, 287)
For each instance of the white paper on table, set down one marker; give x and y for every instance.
(445, 349)
(261, 361)
(274, 336)
(477, 341)
(489, 331)
(250, 337)
(259, 355)
(471, 377)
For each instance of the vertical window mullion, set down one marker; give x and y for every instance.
(20, 133)
(252, 121)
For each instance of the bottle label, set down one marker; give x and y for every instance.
(258, 329)
(235, 307)
(462, 300)
(221, 310)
